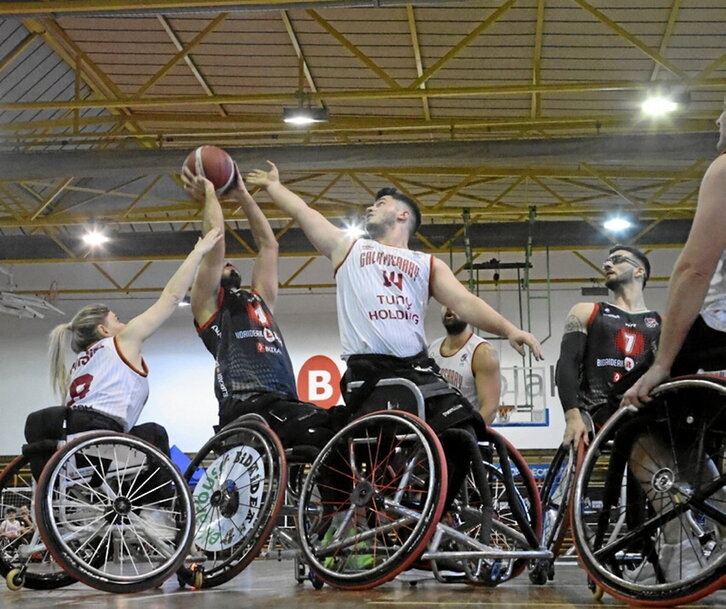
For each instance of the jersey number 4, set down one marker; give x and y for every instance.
(393, 278)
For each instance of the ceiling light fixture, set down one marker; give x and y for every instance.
(617, 224)
(94, 238)
(304, 115)
(659, 105)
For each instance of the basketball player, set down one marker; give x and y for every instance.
(107, 385)
(253, 369)
(469, 363)
(694, 330)
(603, 341)
(383, 289)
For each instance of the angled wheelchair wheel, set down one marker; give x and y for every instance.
(237, 499)
(516, 522)
(555, 496)
(26, 558)
(114, 512)
(372, 500)
(649, 504)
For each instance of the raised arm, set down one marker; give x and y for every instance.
(206, 283)
(445, 288)
(264, 272)
(690, 279)
(327, 238)
(136, 331)
(485, 365)
(569, 371)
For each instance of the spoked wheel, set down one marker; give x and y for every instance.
(649, 507)
(25, 562)
(114, 512)
(517, 517)
(372, 500)
(237, 499)
(555, 497)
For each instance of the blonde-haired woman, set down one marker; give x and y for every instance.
(106, 387)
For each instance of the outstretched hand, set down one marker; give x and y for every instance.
(259, 177)
(197, 186)
(206, 244)
(520, 338)
(237, 190)
(639, 394)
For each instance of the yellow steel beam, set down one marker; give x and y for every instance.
(50, 198)
(623, 33)
(711, 67)
(353, 49)
(536, 109)
(301, 268)
(462, 44)
(180, 54)
(613, 186)
(17, 50)
(138, 274)
(33, 7)
(670, 26)
(103, 272)
(413, 31)
(351, 94)
(138, 198)
(188, 60)
(58, 40)
(292, 35)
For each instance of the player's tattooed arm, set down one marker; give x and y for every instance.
(574, 324)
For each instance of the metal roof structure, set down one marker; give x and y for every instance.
(511, 120)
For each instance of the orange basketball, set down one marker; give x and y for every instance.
(214, 164)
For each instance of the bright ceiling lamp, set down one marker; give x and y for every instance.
(304, 115)
(94, 238)
(617, 224)
(353, 230)
(659, 105)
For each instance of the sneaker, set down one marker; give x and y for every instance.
(158, 524)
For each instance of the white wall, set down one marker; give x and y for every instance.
(182, 397)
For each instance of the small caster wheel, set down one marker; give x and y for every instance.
(597, 591)
(300, 571)
(316, 581)
(538, 574)
(15, 579)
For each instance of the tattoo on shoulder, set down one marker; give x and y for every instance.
(573, 324)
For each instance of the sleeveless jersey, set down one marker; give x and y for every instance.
(457, 368)
(714, 305)
(382, 294)
(103, 380)
(617, 341)
(249, 352)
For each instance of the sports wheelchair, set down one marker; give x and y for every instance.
(386, 507)
(649, 502)
(110, 510)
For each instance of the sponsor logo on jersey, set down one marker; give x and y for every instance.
(651, 322)
(263, 348)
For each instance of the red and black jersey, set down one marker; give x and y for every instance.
(249, 352)
(617, 341)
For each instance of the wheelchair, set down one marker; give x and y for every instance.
(556, 495)
(237, 498)
(649, 502)
(386, 506)
(111, 511)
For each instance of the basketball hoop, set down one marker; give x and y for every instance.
(504, 413)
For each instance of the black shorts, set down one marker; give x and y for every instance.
(447, 409)
(296, 423)
(703, 348)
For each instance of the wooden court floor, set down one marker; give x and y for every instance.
(271, 585)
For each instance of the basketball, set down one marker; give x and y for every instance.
(214, 164)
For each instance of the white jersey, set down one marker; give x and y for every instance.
(457, 368)
(714, 305)
(382, 294)
(103, 380)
